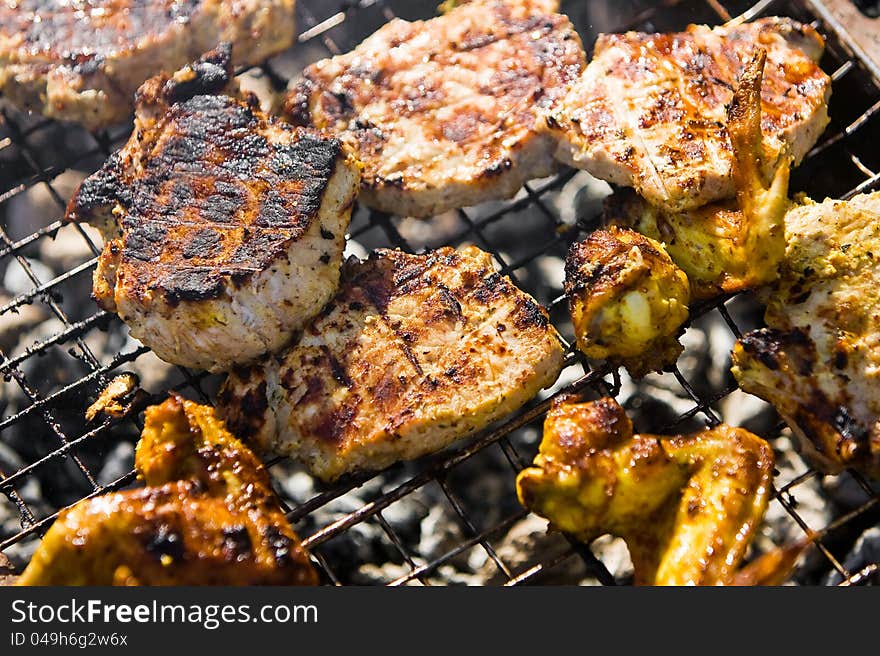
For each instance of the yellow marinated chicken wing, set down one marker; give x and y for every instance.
(687, 506)
(208, 516)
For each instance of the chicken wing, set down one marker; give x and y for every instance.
(627, 300)
(733, 245)
(687, 506)
(208, 516)
(818, 361)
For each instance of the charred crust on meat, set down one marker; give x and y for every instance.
(209, 75)
(847, 426)
(774, 348)
(279, 543)
(215, 202)
(497, 140)
(246, 412)
(98, 194)
(296, 104)
(601, 257)
(530, 315)
(332, 426)
(194, 284)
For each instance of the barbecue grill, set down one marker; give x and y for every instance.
(453, 517)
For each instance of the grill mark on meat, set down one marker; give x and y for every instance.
(236, 542)
(222, 167)
(210, 75)
(246, 413)
(649, 111)
(332, 427)
(386, 103)
(772, 347)
(345, 381)
(338, 370)
(64, 33)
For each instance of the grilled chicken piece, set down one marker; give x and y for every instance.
(818, 362)
(208, 516)
(687, 506)
(650, 111)
(414, 353)
(627, 298)
(732, 245)
(224, 227)
(83, 61)
(443, 112)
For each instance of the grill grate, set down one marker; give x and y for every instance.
(526, 236)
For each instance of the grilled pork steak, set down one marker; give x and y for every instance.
(83, 61)
(443, 112)
(415, 352)
(651, 110)
(224, 227)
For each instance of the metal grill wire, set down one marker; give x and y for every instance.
(840, 166)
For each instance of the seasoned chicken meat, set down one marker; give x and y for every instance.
(83, 61)
(414, 353)
(443, 112)
(208, 516)
(650, 111)
(627, 298)
(224, 227)
(687, 506)
(818, 362)
(732, 245)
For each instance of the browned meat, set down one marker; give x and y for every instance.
(628, 300)
(818, 362)
(651, 110)
(208, 516)
(82, 61)
(687, 506)
(443, 112)
(224, 227)
(414, 353)
(731, 245)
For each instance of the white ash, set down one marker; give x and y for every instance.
(353, 248)
(528, 543)
(778, 528)
(866, 551)
(154, 374)
(580, 197)
(847, 492)
(552, 271)
(119, 462)
(36, 207)
(440, 534)
(17, 281)
(68, 248)
(16, 322)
